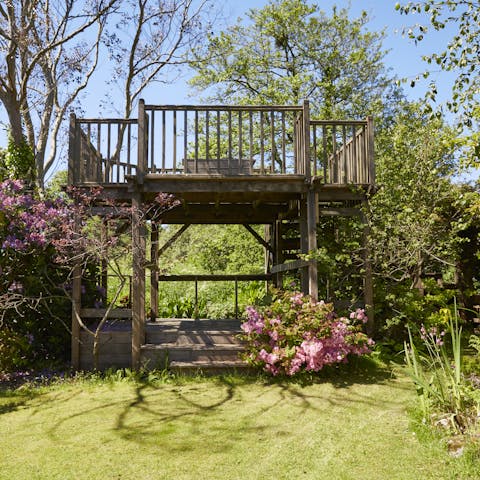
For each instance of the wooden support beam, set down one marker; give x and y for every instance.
(259, 239)
(312, 215)
(303, 223)
(76, 306)
(142, 143)
(339, 212)
(214, 278)
(278, 257)
(368, 278)
(138, 278)
(154, 272)
(171, 241)
(286, 267)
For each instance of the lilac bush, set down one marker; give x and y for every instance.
(295, 334)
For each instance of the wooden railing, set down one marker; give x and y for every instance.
(222, 140)
(102, 151)
(342, 151)
(219, 140)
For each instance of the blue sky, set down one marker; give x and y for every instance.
(404, 58)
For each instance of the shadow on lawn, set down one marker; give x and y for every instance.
(158, 411)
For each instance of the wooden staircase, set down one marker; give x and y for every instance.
(192, 345)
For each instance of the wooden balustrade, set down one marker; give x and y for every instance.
(221, 141)
(342, 151)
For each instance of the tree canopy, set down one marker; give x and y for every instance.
(290, 50)
(461, 56)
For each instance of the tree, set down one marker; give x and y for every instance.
(50, 51)
(151, 38)
(45, 64)
(461, 56)
(290, 50)
(414, 216)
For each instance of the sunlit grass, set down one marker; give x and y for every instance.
(350, 426)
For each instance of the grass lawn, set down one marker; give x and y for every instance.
(352, 427)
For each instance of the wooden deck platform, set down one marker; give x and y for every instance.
(270, 165)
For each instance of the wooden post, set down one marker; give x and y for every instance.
(104, 262)
(304, 244)
(154, 272)
(142, 142)
(76, 307)
(312, 215)
(138, 268)
(368, 278)
(371, 151)
(278, 252)
(306, 139)
(73, 151)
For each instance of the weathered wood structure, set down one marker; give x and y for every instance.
(270, 165)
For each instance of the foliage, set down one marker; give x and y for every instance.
(461, 56)
(290, 50)
(18, 161)
(32, 299)
(49, 51)
(446, 396)
(295, 334)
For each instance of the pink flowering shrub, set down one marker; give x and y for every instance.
(295, 334)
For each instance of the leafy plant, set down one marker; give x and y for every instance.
(446, 395)
(295, 334)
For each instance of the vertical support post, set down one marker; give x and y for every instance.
(73, 151)
(278, 252)
(268, 238)
(142, 142)
(306, 139)
(368, 276)
(76, 308)
(236, 298)
(196, 309)
(138, 268)
(154, 271)
(304, 244)
(104, 262)
(371, 151)
(312, 215)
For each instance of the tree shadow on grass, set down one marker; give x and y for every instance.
(190, 402)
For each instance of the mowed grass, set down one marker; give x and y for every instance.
(350, 426)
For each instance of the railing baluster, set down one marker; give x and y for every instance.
(207, 139)
(229, 142)
(284, 156)
(272, 141)
(174, 126)
(109, 138)
(353, 157)
(250, 139)
(240, 146)
(152, 168)
(262, 146)
(218, 140)
(164, 140)
(129, 145)
(315, 150)
(185, 140)
(118, 151)
(196, 141)
(325, 155)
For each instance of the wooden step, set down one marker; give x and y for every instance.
(161, 355)
(193, 337)
(210, 368)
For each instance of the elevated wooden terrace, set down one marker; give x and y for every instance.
(226, 164)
